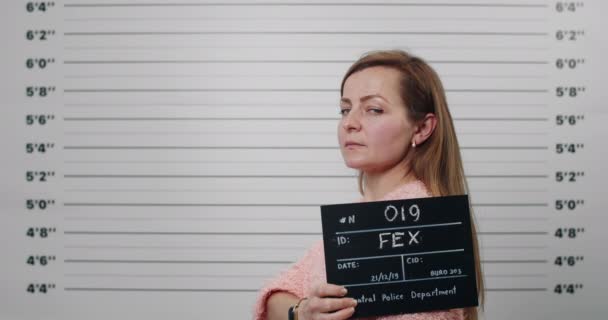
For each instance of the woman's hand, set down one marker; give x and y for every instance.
(326, 303)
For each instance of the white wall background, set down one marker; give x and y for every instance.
(193, 142)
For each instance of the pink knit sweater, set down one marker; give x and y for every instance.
(302, 276)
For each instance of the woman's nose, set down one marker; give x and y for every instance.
(351, 121)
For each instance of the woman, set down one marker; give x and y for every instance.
(395, 129)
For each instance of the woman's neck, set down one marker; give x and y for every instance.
(378, 184)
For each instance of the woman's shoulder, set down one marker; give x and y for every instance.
(410, 190)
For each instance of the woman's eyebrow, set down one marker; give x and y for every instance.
(345, 100)
(367, 97)
(371, 96)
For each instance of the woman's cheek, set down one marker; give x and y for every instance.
(384, 134)
(391, 138)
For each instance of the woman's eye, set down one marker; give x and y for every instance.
(376, 110)
(344, 111)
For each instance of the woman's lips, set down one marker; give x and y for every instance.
(352, 145)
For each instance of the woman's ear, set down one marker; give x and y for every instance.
(424, 129)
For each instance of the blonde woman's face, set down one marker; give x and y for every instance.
(374, 131)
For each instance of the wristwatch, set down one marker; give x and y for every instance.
(291, 315)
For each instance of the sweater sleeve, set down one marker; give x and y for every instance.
(294, 280)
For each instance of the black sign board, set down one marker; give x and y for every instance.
(401, 256)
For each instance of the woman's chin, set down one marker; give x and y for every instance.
(355, 164)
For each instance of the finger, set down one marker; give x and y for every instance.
(330, 290)
(324, 305)
(338, 315)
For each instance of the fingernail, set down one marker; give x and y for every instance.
(354, 302)
(344, 291)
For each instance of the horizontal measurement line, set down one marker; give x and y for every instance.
(126, 204)
(215, 104)
(513, 219)
(157, 289)
(241, 219)
(508, 176)
(299, 4)
(282, 105)
(185, 233)
(190, 33)
(84, 232)
(511, 204)
(513, 247)
(304, 18)
(507, 147)
(274, 45)
(275, 76)
(132, 204)
(200, 176)
(191, 119)
(173, 261)
(502, 119)
(195, 147)
(514, 233)
(494, 76)
(196, 90)
(513, 261)
(540, 62)
(213, 190)
(291, 133)
(224, 133)
(264, 119)
(257, 233)
(117, 90)
(527, 275)
(120, 275)
(514, 289)
(277, 161)
(503, 161)
(274, 219)
(486, 104)
(218, 247)
(263, 176)
(487, 133)
(206, 161)
(276, 147)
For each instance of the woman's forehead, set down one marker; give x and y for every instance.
(372, 82)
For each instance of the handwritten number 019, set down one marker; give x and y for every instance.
(391, 213)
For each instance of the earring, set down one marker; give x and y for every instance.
(413, 144)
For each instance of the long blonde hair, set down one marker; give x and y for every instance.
(436, 162)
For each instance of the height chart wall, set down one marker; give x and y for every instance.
(163, 159)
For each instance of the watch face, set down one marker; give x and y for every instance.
(290, 315)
